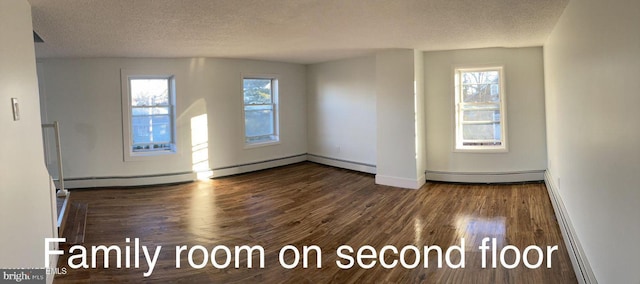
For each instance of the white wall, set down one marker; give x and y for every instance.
(25, 193)
(523, 71)
(342, 111)
(592, 64)
(84, 95)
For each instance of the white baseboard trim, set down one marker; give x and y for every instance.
(55, 224)
(256, 166)
(349, 165)
(121, 181)
(486, 177)
(400, 182)
(581, 266)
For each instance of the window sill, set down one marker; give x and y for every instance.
(485, 150)
(261, 144)
(147, 156)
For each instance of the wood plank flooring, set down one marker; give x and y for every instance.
(74, 229)
(310, 204)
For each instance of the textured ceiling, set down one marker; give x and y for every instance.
(301, 31)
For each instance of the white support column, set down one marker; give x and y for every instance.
(397, 140)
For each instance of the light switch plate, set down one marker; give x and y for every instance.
(16, 109)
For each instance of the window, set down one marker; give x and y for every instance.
(149, 114)
(480, 110)
(260, 110)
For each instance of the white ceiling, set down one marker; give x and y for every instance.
(300, 31)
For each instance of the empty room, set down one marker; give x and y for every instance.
(286, 141)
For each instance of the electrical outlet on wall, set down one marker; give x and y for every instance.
(16, 109)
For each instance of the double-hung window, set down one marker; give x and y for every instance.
(149, 116)
(480, 109)
(260, 96)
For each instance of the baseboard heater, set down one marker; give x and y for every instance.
(340, 163)
(470, 177)
(256, 166)
(581, 265)
(124, 181)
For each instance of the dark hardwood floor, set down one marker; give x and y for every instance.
(310, 204)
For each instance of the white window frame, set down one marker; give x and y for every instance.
(459, 114)
(275, 137)
(127, 136)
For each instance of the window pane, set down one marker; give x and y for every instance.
(481, 77)
(479, 93)
(149, 92)
(482, 115)
(148, 129)
(258, 122)
(149, 110)
(140, 129)
(489, 131)
(257, 91)
(480, 86)
(161, 129)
